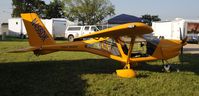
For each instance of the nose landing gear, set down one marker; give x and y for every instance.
(169, 68)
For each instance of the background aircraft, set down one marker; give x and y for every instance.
(111, 43)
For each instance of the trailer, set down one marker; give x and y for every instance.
(16, 28)
(176, 29)
(55, 26)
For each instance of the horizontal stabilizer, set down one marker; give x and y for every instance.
(23, 50)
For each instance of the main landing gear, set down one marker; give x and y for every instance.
(127, 72)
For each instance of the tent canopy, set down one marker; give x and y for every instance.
(124, 18)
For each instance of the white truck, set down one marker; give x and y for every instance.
(77, 31)
(173, 29)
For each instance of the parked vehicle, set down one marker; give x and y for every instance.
(173, 29)
(76, 31)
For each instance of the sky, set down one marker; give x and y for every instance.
(165, 9)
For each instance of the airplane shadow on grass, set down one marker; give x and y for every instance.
(50, 78)
(62, 78)
(187, 63)
(190, 63)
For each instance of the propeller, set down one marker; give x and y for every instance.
(183, 43)
(181, 40)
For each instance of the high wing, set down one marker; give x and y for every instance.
(129, 29)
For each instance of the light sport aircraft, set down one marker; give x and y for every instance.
(108, 43)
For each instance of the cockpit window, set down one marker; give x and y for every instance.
(152, 43)
(151, 39)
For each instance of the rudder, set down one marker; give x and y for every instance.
(37, 33)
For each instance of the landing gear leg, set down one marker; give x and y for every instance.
(127, 72)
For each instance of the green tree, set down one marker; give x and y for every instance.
(24, 6)
(55, 9)
(150, 18)
(88, 11)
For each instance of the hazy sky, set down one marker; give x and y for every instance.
(166, 9)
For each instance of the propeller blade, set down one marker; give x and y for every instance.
(183, 43)
(180, 34)
(181, 51)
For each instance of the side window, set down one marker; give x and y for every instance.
(93, 29)
(74, 28)
(86, 28)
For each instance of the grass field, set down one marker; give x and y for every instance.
(84, 74)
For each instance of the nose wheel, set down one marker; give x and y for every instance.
(166, 68)
(169, 68)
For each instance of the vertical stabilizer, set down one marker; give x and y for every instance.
(37, 33)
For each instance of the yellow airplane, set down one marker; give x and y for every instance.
(109, 43)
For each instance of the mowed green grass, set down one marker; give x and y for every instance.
(85, 74)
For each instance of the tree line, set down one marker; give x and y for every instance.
(85, 11)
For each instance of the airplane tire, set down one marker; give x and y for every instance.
(167, 68)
